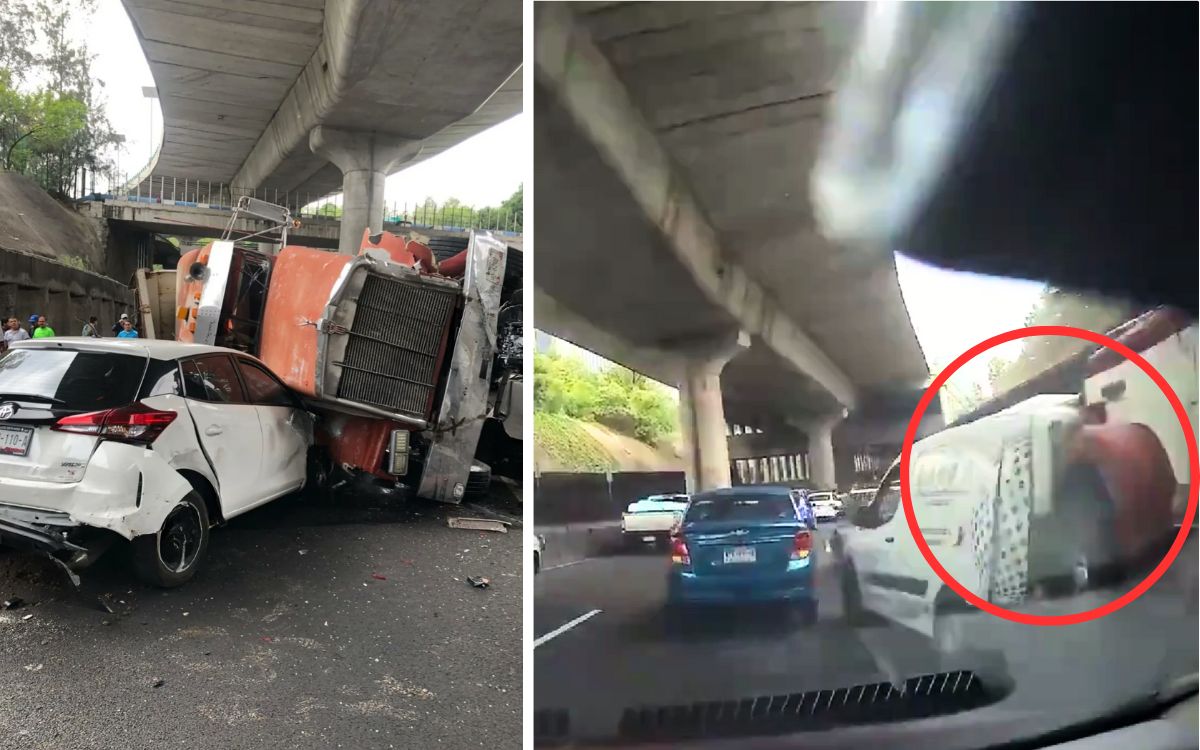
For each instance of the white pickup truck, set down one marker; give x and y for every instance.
(652, 519)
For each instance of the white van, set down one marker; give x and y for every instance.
(1012, 502)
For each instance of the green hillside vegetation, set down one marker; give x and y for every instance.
(566, 395)
(566, 440)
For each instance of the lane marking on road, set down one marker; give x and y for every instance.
(567, 565)
(565, 627)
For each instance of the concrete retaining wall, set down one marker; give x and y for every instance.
(580, 514)
(566, 498)
(66, 296)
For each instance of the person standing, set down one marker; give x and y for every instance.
(117, 327)
(43, 330)
(127, 330)
(91, 329)
(13, 332)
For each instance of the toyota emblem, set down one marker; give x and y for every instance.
(7, 409)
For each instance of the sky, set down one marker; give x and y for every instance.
(951, 311)
(481, 171)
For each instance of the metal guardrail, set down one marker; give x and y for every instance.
(182, 191)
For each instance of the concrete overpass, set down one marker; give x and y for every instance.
(311, 97)
(673, 147)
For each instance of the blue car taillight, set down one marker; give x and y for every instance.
(802, 546)
(679, 551)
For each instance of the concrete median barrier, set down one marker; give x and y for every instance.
(569, 543)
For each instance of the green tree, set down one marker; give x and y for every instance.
(616, 397)
(1058, 307)
(53, 131)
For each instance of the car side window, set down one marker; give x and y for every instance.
(162, 379)
(212, 379)
(888, 499)
(262, 387)
(889, 502)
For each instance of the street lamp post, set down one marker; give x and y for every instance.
(151, 93)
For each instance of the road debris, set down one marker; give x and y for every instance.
(479, 582)
(304, 552)
(27, 617)
(158, 683)
(477, 524)
(15, 603)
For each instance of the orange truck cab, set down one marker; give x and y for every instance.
(400, 362)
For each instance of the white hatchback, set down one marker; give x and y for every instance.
(154, 442)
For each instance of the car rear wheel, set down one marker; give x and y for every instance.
(172, 556)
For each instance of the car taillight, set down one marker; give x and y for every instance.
(679, 551)
(803, 545)
(136, 423)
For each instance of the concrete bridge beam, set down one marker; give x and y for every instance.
(576, 72)
(702, 411)
(365, 160)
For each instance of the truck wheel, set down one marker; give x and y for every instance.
(170, 557)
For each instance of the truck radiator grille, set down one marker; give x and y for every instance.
(397, 341)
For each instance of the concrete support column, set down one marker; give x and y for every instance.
(820, 450)
(702, 412)
(365, 160)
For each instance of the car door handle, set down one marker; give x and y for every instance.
(214, 430)
(889, 539)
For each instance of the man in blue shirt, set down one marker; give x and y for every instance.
(127, 331)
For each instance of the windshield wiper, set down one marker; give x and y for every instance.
(31, 397)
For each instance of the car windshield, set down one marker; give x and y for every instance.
(740, 508)
(814, 304)
(74, 380)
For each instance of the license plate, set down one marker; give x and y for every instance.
(14, 441)
(647, 539)
(739, 555)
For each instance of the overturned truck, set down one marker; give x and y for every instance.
(410, 363)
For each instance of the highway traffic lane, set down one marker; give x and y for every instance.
(626, 655)
(630, 654)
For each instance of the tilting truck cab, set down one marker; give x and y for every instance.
(395, 356)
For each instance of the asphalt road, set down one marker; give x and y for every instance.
(626, 653)
(287, 639)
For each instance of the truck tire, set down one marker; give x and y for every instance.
(171, 556)
(446, 247)
(479, 482)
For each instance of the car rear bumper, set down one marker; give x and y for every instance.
(125, 489)
(53, 534)
(631, 535)
(684, 587)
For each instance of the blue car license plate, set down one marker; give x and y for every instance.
(734, 555)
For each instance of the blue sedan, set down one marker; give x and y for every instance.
(744, 545)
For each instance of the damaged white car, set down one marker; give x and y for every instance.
(151, 441)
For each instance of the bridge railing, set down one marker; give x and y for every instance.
(183, 191)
